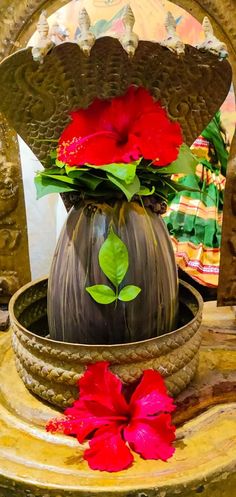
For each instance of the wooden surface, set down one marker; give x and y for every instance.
(34, 463)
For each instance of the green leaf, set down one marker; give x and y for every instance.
(128, 190)
(125, 172)
(89, 181)
(129, 292)
(113, 258)
(84, 179)
(81, 176)
(102, 294)
(59, 163)
(145, 191)
(52, 171)
(45, 185)
(63, 178)
(53, 154)
(185, 163)
(179, 187)
(74, 172)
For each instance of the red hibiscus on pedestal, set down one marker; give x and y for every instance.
(114, 425)
(122, 129)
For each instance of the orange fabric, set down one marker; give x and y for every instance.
(201, 263)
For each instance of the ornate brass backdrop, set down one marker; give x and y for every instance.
(37, 98)
(22, 416)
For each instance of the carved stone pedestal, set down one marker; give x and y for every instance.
(34, 463)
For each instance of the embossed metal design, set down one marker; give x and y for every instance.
(38, 464)
(37, 98)
(13, 235)
(51, 369)
(17, 23)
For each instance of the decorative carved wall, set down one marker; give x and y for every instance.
(14, 258)
(17, 23)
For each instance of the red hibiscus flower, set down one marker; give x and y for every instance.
(114, 425)
(121, 130)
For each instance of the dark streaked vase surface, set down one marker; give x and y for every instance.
(73, 315)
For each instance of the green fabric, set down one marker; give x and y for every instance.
(213, 135)
(195, 230)
(186, 227)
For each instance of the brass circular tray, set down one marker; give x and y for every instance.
(51, 368)
(34, 463)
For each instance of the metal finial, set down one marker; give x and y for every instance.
(86, 38)
(44, 43)
(172, 41)
(211, 43)
(129, 40)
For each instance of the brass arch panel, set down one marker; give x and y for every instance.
(18, 18)
(37, 98)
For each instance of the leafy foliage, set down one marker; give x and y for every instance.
(114, 261)
(138, 178)
(103, 294)
(113, 258)
(128, 293)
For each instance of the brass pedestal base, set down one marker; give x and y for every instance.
(34, 463)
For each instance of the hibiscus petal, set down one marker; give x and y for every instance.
(108, 451)
(158, 138)
(121, 113)
(150, 396)
(84, 121)
(151, 438)
(99, 134)
(76, 422)
(99, 385)
(98, 149)
(120, 130)
(146, 102)
(100, 404)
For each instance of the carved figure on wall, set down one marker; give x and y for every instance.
(9, 189)
(9, 283)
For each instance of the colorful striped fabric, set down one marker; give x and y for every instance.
(194, 218)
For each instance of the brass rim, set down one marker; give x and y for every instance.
(48, 341)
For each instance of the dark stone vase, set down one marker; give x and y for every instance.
(72, 313)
